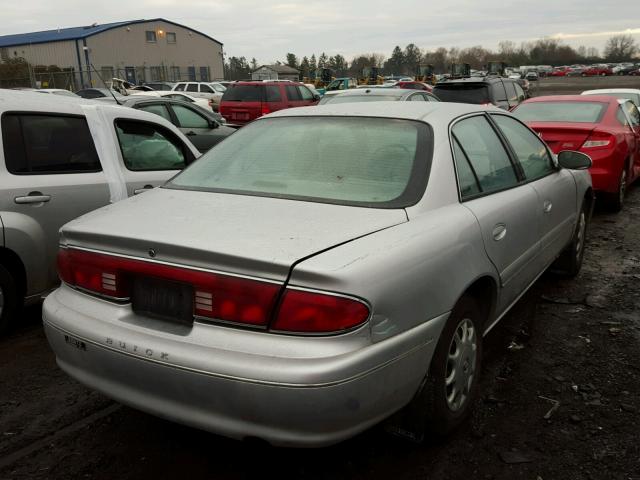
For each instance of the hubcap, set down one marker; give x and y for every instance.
(623, 185)
(461, 365)
(582, 227)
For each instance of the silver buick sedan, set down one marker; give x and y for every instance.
(319, 270)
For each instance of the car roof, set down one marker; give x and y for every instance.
(573, 98)
(382, 92)
(470, 80)
(423, 111)
(269, 82)
(611, 90)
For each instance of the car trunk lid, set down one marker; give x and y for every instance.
(246, 235)
(567, 136)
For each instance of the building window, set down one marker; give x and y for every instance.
(175, 74)
(204, 74)
(157, 74)
(171, 37)
(151, 36)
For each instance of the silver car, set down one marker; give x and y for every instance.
(319, 270)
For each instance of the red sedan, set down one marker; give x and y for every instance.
(603, 127)
(414, 86)
(597, 70)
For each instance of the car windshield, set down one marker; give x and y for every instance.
(244, 93)
(578, 112)
(344, 160)
(463, 93)
(358, 98)
(335, 85)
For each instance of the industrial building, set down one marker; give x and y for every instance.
(275, 72)
(137, 50)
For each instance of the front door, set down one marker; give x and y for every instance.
(197, 127)
(555, 188)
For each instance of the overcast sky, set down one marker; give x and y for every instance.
(268, 29)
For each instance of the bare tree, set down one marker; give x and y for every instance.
(620, 47)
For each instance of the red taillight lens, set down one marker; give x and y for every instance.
(264, 109)
(216, 296)
(599, 140)
(311, 312)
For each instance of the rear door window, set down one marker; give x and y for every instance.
(192, 87)
(158, 110)
(187, 118)
(206, 88)
(512, 95)
(293, 94)
(273, 93)
(180, 87)
(146, 146)
(486, 154)
(48, 144)
(499, 93)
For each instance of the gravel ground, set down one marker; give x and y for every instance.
(560, 399)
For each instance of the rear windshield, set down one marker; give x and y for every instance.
(578, 112)
(335, 99)
(252, 93)
(477, 93)
(344, 160)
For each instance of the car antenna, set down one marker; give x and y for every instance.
(105, 84)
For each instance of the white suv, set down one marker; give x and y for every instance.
(210, 90)
(61, 158)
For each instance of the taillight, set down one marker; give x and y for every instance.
(217, 296)
(599, 140)
(264, 109)
(311, 312)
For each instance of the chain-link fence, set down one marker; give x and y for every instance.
(26, 76)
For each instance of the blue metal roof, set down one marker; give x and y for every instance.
(75, 33)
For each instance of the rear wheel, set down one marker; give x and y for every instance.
(8, 300)
(454, 372)
(615, 201)
(570, 261)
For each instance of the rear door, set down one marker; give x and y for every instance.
(633, 118)
(555, 187)
(54, 176)
(490, 187)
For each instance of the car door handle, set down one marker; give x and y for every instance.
(138, 191)
(191, 134)
(33, 197)
(499, 232)
(547, 206)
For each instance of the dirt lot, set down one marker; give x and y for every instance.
(560, 399)
(575, 85)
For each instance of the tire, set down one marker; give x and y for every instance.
(9, 304)
(445, 411)
(615, 201)
(570, 261)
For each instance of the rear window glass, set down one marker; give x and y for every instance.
(634, 97)
(244, 93)
(463, 93)
(335, 99)
(351, 161)
(40, 143)
(579, 112)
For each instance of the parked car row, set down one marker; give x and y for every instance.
(251, 295)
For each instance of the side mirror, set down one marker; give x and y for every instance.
(574, 160)
(213, 124)
(316, 96)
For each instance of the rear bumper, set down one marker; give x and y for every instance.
(331, 394)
